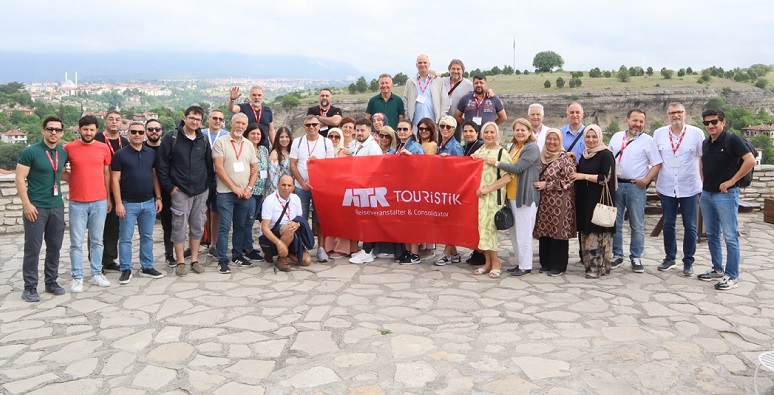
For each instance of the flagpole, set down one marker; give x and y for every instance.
(514, 53)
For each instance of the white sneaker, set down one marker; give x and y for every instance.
(384, 255)
(100, 280)
(77, 285)
(362, 257)
(322, 256)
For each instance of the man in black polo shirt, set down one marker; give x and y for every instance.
(115, 142)
(255, 110)
(153, 133)
(137, 194)
(328, 115)
(725, 160)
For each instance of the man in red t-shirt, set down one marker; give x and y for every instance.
(89, 178)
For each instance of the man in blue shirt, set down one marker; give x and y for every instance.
(424, 95)
(574, 130)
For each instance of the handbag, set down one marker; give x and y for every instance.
(605, 211)
(268, 247)
(503, 218)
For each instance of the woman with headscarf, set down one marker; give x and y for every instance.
(488, 193)
(522, 196)
(472, 139)
(596, 167)
(555, 221)
(335, 136)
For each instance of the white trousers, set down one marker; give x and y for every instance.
(521, 233)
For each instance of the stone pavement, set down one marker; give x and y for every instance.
(384, 328)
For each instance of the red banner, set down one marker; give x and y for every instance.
(402, 199)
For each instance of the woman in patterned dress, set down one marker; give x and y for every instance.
(279, 159)
(555, 223)
(255, 133)
(487, 194)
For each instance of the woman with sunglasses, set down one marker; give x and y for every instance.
(387, 139)
(449, 147)
(406, 145)
(427, 136)
(334, 135)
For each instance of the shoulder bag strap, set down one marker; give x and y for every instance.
(580, 133)
(276, 227)
(499, 155)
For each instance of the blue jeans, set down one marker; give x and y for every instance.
(719, 212)
(232, 210)
(144, 215)
(306, 200)
(89, 215)
(253, 213)
(688, 207)
(631, 198)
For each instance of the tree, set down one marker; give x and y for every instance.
(374, 85)
(575, 82)
(576, 74)
(613, 128)
(507, 70)
(400, 79)
(361, 85)
(595, 72)
(689, 70)
(352, 88)
(495, 71)
(608, 74)
(666, 73)
(717, 102)
(547, 84)
(624, 75)
(764, 143)
(546, 61)
(289, 101)
(681, 73)
(9, 155)
(560, 82)
(761, 83)
(649, 71)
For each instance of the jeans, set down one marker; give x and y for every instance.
(89, 215)
(144, 215)
(719, 212)
(232, 210)
(253, 214)
(306, 201)
(688, 207)
(631, 198)
(48, 226)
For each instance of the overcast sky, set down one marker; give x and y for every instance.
(386, 36)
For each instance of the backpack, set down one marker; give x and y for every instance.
(745, 181)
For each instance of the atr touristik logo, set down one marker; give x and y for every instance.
(365, 197)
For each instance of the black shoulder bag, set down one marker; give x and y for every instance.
(268, 247)
(503, 218)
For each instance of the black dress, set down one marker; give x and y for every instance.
(587, 193)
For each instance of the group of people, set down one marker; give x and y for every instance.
(550, 178)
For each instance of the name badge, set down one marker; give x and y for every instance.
(239, 167)
(56, 190)
(619, 169)
(420, 99)
(264, 174)
(673, 162)
(477, 120)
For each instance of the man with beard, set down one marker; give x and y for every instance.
(38, 175)
(456, 87)
(535, 115)
(255, 111)
(424, 95)
(328, 115)
(478, 107)
(679, 184)
(89, 179)
(637, 163)
(572, 133)
(386, 103)
(115, 142)
(153, 133)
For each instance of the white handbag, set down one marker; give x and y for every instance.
(605, 211)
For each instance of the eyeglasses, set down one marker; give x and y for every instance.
(140, 132)
(403, 129)
(54, 130)
(713, 122)
(310, 125)
(218, 119)
(444, 126)
(385, 136)
(156, 130)
(676, 112)
(423, 129)
(194, 119)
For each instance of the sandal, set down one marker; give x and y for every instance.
(494, 274)
(480, 271)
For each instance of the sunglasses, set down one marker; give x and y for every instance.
(334, 137)
(444, 126)
(140, 132)
(403, 129)
(310, 125)
(385, 136)
(153, 129)
(54, 130)
(712, 122)
(217, 119)
(423, 129)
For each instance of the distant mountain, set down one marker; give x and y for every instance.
(30, 67)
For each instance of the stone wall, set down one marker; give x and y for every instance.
(11, 207)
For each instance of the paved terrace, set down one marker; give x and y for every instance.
(384, 328)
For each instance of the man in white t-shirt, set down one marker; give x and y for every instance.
(272, 211)
(309, 147)
(637, 162)
(535, 114)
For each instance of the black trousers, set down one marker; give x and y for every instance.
(166, 222)
(48, 226)
(553, 254)
(110, 238)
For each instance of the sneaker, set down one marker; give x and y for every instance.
(223, 267)
(687, 269)
(399, 258)
(410, 259)
(726, 283)
(30, 295)
(555, 273)
(126, 276)
(637, 265)
(255, 255)
(322, 256)
(110, 267)
(361, 257)
(384, 255)
(711, 275)
(152, 273)
(667, 264)
(476, 258)
(213, 252)
(616, 263)
(55, 289)
(242, 261)
(100, 280)
(518, 272)
(542, 270)
(444, 260)
(456, 258)
(77, 285)
(181, 270)
(196, 267)
(171, 262)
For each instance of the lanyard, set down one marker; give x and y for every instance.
(54, 164)
(310, 150)
(515, 153)
(625, 144)
(478, 104)
(399, 147)
(279, 199)
(419, 83)
(212, 141)
(680, 141)
(537, 134)
(323, 113)
(107, 141)
(237, 153)
(258, 114)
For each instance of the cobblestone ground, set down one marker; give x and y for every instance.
(382, 328)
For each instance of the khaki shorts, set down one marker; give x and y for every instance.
(191, 210)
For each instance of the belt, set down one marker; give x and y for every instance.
(624, 180)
